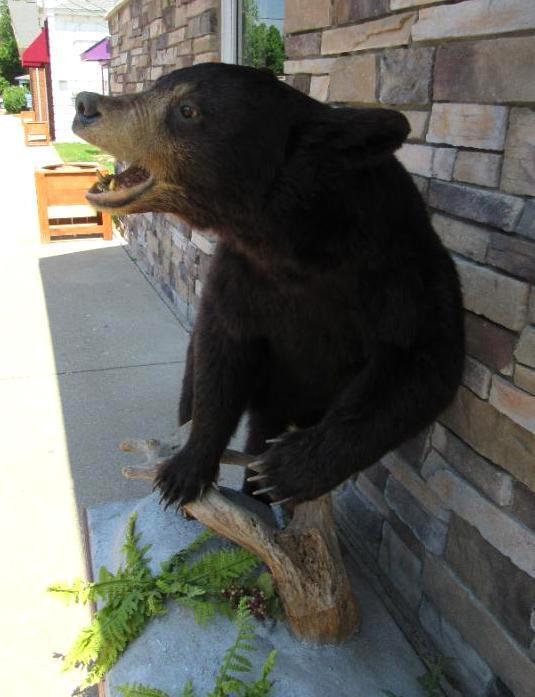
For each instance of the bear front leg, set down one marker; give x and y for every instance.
(185, 407)
(223, 375)
(392, 400)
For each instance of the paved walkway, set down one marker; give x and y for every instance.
(89, 355)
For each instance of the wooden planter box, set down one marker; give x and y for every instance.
(36, 132)
(62, 205)
(27, 115)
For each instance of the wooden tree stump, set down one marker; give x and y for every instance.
(304, 558)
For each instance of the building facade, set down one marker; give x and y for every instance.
(68, 28)
(73, 27)
(447, 522)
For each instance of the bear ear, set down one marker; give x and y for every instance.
(370, 133)
(352, 138)
(334, 142)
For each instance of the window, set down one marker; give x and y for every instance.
(261, 32)
(252, 33)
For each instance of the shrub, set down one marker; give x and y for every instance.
(14, 99)
(3, 84)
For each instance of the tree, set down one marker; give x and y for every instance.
(3, 84)
(263, 46)
(10, 65)
(274, 55)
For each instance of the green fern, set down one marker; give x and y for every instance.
(235, 663)
(135, 573)
(263, 686)
(430, 681)
(129, 601)
(136, 559)
(188, 690)
(212, 573)
(178, 559)
(235, 660)
(143, 691)
(132, 596)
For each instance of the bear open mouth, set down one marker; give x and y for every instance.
(120, 190)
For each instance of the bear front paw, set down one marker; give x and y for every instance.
(181, 480)
(289, 470)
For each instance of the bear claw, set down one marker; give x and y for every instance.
(257, 477)
(265, 490)
(279, 503)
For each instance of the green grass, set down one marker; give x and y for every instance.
(84, 152)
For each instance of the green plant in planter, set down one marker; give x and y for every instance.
(221, 580)
(14, 99)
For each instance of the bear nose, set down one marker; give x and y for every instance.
(87, 104)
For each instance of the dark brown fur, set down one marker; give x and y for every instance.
(331, 304)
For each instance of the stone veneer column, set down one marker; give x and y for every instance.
(450, 517)
(150, 38)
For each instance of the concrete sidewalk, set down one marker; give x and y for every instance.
(89, 356)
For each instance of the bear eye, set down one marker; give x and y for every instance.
(188, 111)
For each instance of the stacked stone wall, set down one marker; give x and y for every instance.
(150, 38)
(450, 517)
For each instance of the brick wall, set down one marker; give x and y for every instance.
(450, 517)
(148, 39)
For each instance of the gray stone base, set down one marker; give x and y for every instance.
(174, 649)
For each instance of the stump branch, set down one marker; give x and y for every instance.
(304, 558)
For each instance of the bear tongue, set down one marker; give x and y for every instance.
(131, 176)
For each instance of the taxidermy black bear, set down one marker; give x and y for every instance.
(331, 305)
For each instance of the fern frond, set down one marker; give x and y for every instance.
(234, 660)
(131, 600)
(269, 665)
(79, 591)
(178, 559)
(144, 691)
(188, 690)
(430, 682)
(214, 571)
(171, 585)
(263, 686)
(135, 556)
(203, 611)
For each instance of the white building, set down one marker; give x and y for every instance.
(73, 26)
(69, 27)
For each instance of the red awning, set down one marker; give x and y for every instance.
(36, 55)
